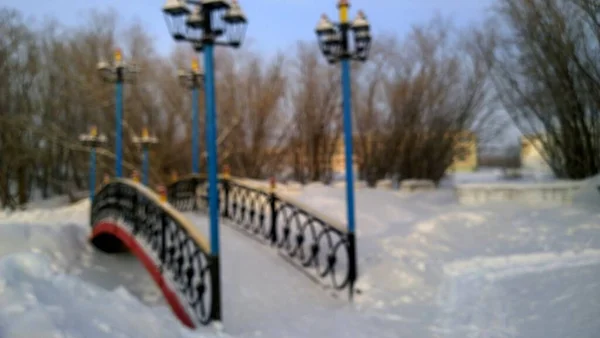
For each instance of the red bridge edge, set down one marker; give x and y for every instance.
(107, 234)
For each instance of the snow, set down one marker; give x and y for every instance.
(409, 244)
(507, 296)
(38, 299)
(496, 175)
(428, 267)
(588, 195)
(54, 284)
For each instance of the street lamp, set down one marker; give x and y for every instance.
(209, 23)
(145, 141)
(118, 73)
(335, 44)
(92, 140)
(192, 79)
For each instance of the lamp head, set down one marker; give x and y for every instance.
(174, 12)
(360, 23)
(215, 4)
(118, 56)
(362, 36)
(324, 26)
(195, 65)
(106, 71)
(236, 24)
(325, 31)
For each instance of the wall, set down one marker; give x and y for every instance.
(531, 157)
(338, 159)
(551, 193)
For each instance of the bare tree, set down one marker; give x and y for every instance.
(253, 88)
(436, 92)
(18, 71)
(371, 111)
(273, 113)
(546, 71)
(316, 114)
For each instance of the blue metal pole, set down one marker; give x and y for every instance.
(347, 110)
(119, 131)
(92, 178)
(145, 165)
(195, 131)
(211, 144)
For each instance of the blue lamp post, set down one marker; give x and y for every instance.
(145, 141)
(334, 41)
(117, 73)
(207, 24)
(193, 79)
(92, 140)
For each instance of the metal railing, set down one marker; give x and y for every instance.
(318, 244)
(179, 250)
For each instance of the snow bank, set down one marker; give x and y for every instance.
(65, 243)
(557, 192)
(499, 267)
(38, 202)
(37, 299)
(417, 185)
(484, 175)
(342, 184)
(76, 213)
(43, 256)
(495, 175)
(521, 295)
(589, 195)
(385, 184)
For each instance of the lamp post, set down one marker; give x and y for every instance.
(335, 44)
(209, 23)
(193, 79)
(145, 141)
(92, 140)
(117, 73)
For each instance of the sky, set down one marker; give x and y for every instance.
(273, 24)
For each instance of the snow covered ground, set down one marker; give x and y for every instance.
(428, 268)
(502, 270)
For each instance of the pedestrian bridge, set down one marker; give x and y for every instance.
(170, 238)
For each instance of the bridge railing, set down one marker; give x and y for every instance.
(124, 210)
(305, 237)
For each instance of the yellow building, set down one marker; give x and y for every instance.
(465, 159)
(334, 163)
(338, 159)
(531, 153)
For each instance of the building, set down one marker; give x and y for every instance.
(531, 153)
(465, 159)
(332, 162)
(337, 162)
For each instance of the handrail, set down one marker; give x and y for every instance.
(300, 205)
(191, 229)
(175, 245)
(307, 237)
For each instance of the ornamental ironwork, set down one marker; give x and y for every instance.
(307, 238)
(178, 250)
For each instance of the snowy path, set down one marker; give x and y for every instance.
(521, 296)
(264, 296)
(502, 270)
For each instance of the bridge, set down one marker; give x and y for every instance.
(170, 237)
